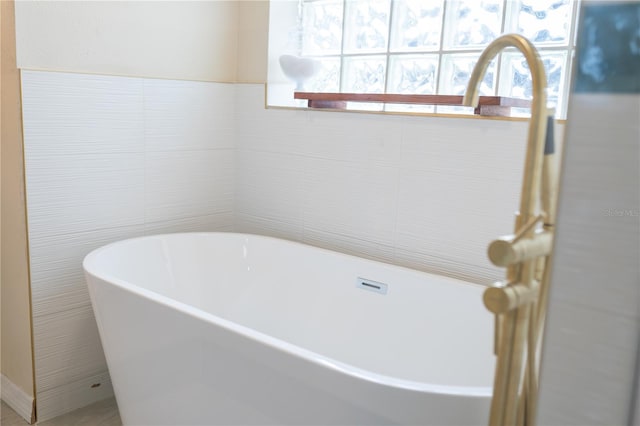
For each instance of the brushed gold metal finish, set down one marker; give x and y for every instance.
(505, 251)
(500, 300)
(520, 305)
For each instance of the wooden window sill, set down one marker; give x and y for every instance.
(487, 106)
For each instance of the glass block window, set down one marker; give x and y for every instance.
(431, 46)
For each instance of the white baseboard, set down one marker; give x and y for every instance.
(16, 398)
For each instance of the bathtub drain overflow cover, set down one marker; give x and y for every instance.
(371, 285)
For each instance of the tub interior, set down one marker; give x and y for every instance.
(426, 328)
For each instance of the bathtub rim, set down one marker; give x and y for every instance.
(89, 269)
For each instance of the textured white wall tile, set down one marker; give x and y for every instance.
(433, 191)
(577, 255)
(181, 115)
(371, 183)
(611, 175)
(491, 149)
(460, 182)
(357, 200)
(588, 364)
(67, 347)
(270, 186)
(592, 332)
(57, 278)
(452, 217)
(445, 265)
(62, 399)
(259, 225)
(608, 339)
(188, 183)
(213, 222)
(109, 158)
(349, 245)
(81, 114)
(76, 193)
(282, 131)
(361, 138)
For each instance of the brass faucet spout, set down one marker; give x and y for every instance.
(533, 60)
(518, 331)
(539, 113)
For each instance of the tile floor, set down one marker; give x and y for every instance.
(102, 413)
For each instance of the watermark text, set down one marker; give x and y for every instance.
(622, 213)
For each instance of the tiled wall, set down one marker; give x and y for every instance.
(109, 158)
(591, 369)
(425, 192)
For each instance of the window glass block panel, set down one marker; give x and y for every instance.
(544, 22)
(321, 27)
(327, 78)
(472, 23)
(364, 74)
(417, 25)
(516, 78)
(413, 74)
(366, 26)
(456, 71)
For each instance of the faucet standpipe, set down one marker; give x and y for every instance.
(520, 305)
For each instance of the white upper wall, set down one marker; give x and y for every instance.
(184, 40)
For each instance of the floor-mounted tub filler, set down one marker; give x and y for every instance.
(234, 329)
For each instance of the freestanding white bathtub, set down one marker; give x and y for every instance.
(233, 329)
